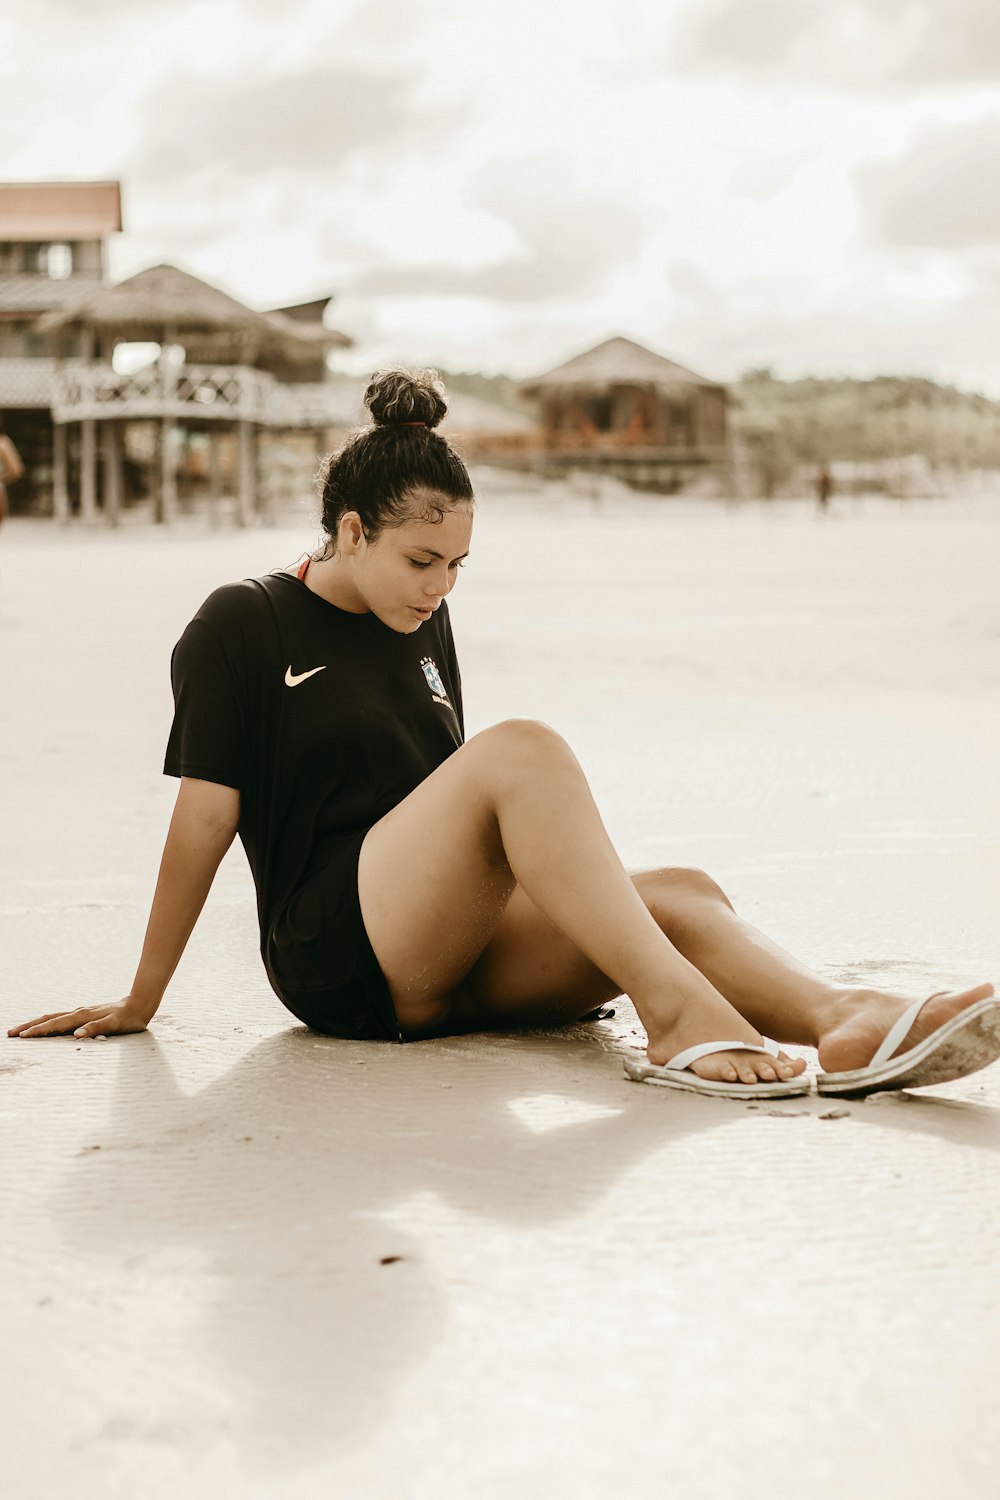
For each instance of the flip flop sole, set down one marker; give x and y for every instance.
(963, 1045)
(641, 1071)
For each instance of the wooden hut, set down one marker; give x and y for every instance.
(216, 372)
(622, 409)
(486, 432)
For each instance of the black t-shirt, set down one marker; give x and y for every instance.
(322, 719)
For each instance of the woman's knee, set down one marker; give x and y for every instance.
(666, 890)
(517, 745)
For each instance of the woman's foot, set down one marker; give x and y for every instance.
(863, 1018)
(708, 1017)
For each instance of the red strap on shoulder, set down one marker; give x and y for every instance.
(302, 568)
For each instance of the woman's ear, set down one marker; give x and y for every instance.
(350, 534)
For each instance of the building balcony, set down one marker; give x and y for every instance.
(78, 390)
(627, 447)
(86, 390)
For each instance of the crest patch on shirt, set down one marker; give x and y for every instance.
(434, 682)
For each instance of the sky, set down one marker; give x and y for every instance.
(499, 184)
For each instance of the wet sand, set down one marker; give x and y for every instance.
(239, 1259)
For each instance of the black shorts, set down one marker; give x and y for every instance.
(320, 960)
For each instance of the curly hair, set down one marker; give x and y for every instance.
(380, 469)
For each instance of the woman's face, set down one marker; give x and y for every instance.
(405, 572)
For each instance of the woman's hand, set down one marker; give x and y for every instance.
(202, 828)
(117, 1019)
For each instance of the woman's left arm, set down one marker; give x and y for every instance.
(204, 823)
(11, 467)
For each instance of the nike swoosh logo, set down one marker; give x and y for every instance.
(292, 679)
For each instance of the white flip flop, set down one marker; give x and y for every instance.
(963, 1045)
(676, 1074)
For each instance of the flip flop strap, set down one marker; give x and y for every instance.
(896, 1033)
(705, 1049)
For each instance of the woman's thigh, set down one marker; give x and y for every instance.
(438, 895)
(433, 882)
(529, 974)
(459, 943)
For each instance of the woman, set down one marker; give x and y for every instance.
(11, 469)
(409, 884)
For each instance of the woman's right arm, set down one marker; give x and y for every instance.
(203, 826)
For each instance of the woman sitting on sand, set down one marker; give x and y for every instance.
(411, 885)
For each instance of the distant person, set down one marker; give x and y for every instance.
(412, 885)
(11, 469)
(824, 486)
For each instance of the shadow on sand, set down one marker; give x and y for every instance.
(297, 1183)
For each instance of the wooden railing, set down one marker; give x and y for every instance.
(576, 447)
(84, 390)
(229, 393)
(315, 404)
(620, 441)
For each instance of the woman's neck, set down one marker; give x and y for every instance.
(329, 577)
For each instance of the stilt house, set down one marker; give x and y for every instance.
(624, 410)
(217, 393)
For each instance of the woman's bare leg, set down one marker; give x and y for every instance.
(530, 972)
(512, 807)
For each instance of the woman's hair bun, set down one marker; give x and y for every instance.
(395, 397)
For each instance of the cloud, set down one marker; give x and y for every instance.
(277, 178)
(317, 119)
(865, 326)
(939, 193)
(570, 238)
(846, 45)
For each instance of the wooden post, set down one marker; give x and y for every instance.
(167, 507)
(185, 459)
(113, 475)
(88, 470)
(214, 474)
(247, 498)
(60, 473)
(168, 473)
(154, 477)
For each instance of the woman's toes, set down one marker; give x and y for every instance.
(746, 1068)
(728, 1073)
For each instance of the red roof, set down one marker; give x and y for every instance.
(59, 210)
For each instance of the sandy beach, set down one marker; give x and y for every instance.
(243, 1260)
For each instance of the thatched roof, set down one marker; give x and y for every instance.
(618, 361)
(305, 312)
(47, 211)
(25, 294)
(472, 415)
(167, 302)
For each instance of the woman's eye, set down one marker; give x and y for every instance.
(416, 564)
